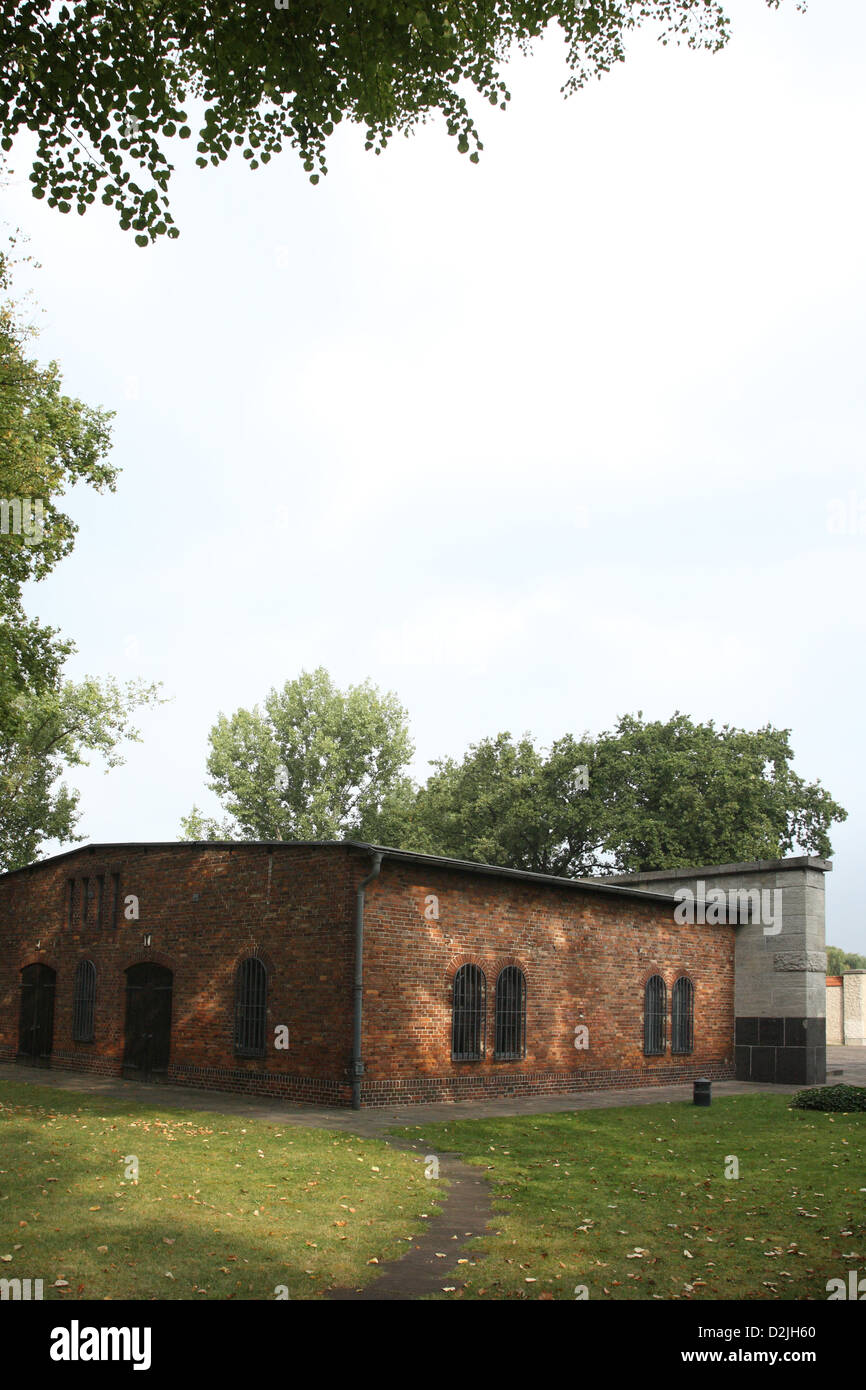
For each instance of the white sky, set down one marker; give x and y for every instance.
(532, 443)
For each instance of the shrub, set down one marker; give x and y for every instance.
(844, 1098)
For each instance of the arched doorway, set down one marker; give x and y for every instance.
(148, 1022)
(36, 1028)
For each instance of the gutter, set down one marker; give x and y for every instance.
(358, 988)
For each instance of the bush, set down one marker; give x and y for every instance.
(844, 1098)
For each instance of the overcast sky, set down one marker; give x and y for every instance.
(573, 433)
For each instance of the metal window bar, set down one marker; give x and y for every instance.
(468, 1014)
(654, 1017)
(83, 1001)
(510, 1030)
(251, 1008)
(683, 1016)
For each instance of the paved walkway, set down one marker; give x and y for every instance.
(466, 1212)
(849, 1061)
(852, 1063)
(466, 1209)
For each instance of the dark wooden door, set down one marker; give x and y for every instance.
(36, 1029)
(148, 1022)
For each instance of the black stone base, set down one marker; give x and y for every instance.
(784, 1050)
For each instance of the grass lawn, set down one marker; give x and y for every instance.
(634, 1203)
(224, 1207)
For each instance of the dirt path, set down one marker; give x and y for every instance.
(466, 1210)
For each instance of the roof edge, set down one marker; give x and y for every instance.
(604, 886)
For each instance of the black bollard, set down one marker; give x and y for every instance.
(703, 1091)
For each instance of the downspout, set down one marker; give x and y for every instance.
(358, 990)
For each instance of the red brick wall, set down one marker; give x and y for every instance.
(586, 958)
(205, 909)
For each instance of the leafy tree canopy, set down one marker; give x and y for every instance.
(681, 794)
(316, 763)
(43, 733)
(105, 85)
(838, 961)
(48, 442)
(653, 796)
(509, 803)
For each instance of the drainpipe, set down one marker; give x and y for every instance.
(358, 990)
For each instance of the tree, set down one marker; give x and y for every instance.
(48, 441)
(316, 764)
(44, 732)
(105, 86)
(681, 794)
(838, 961)
(643, 796)
(507, 803)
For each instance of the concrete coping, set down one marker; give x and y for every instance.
(761, 866)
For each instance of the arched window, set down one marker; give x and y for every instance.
(683, 1016)
(83, 1000)
(510, 1039)
(654, 1010)
(468, 1014)
(251, 1007)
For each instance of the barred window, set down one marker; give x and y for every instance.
(510, 1041)
(251, 1007)
(83, 1000)
(654, 1010)
(468, 1014)
(683, 1016)
(70, 903)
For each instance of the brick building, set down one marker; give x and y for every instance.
(348, 973)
